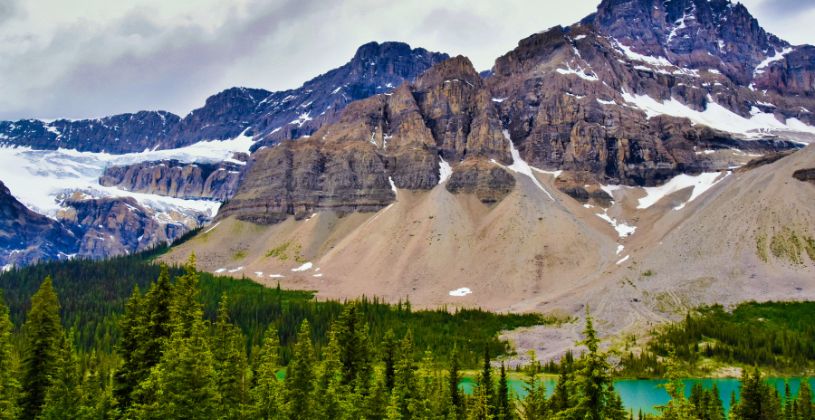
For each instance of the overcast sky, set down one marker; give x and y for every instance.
(92, 58)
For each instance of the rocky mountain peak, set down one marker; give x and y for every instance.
(456, 69)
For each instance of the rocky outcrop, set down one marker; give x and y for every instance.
(570, 96)
(489, 182)
(212, 181)
(805, 175)
(271, 116)
(394, 140)
(116, 226)
(27, 237)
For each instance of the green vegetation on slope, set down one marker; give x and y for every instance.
(93, 296)
(776, 336)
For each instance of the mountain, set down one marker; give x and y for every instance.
(149, 177)
(650, 158)
(27, 237)
(375, 68)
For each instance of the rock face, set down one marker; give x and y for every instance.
(272, 116)
(27, 237)
(116, 226)
(213, 181)
(805, 175)
(394, 140)
(623, 97)
(86, 228)
(575, 98)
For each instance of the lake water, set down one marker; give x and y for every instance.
(647, 394)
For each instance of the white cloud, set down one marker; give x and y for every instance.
(97, 57)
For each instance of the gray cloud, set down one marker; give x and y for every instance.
(58, 59)
(782, 8)
(8, 9)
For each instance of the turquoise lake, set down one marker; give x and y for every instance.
(647, 394)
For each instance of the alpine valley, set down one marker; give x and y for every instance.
(651, 158)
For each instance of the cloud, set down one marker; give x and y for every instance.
(783, 8)
(99, 57)
(8, 9)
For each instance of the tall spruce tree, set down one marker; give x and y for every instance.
(64, 398)
(9, 387)
(300, 376)
(44, 335)
(267, 398)
(456, 396)
(354, 346)
(133, 327)
(535, 405)
(592, 378)
(231, 366)
(388, 352)
(503, 405)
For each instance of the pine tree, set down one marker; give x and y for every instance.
(158, 302)
(481, 408)
(454, 378)
(534, 406)
(64, 398)
(503, 406)
(389, 358)
(229, 353)
(44, 336)
(184, 383)
(133, 327)
(354, 346)
(562, 398)
(614, 409)
(592, 377)
(330, 390)
(9, 387)
(185, 308)
(266, 394)
(806, 411)
(486, 383)
(758, 400)
(300, 376)
(404, 387)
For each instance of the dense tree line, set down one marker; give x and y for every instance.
(776, 335)
(172, 361)
(94, 293)
(176, 363)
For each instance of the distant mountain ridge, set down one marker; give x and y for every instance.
(375, 68)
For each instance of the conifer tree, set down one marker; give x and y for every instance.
(133, 327)
(184, 383)
(456, 397)
(614, 409)
(534, 406)
(805, 407)
(503, 409)
(229, 353)
(376, 404)
(9, 387)
(485, 381)
(562, 397)
(592, 377)
(44, 336)
(354, 346)
(389, 358)
(266, 394)
(329, 390)
(404, 387)
(64, 397)
(158, 303)
(300, 376)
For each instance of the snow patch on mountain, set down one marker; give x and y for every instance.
(717, 116)
(40, 179)
(700, 184)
